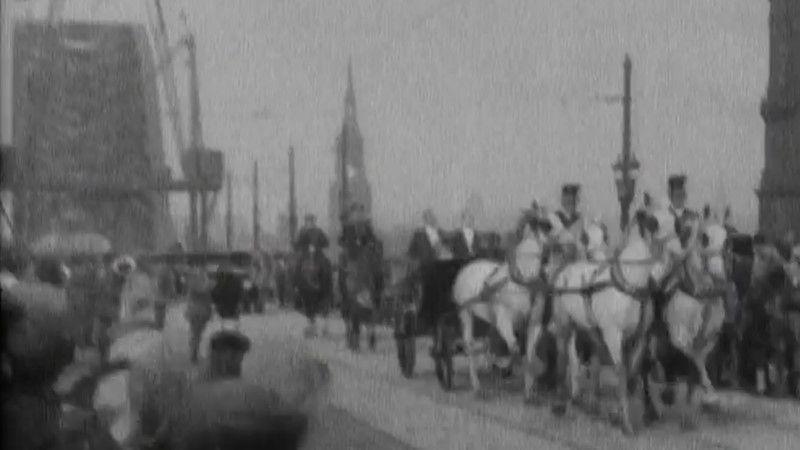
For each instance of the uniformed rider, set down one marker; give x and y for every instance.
(572, 221)
(357, 232)
(676, 187)
(311, 235)
(676, 250)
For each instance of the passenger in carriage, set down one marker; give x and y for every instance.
(464, 241)
(427, 244)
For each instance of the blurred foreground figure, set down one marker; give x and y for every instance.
(37, 343)
(222, 411)
(198, 310)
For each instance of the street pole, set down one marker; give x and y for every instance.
(198, 192)
(343, 208)
(229, 217)
(256, 222)
(627, 197)
(292, 199)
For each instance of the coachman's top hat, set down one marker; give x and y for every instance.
(570, 189)
(676, 182)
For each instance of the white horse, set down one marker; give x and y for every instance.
(594, 243)
(609, 300)
(500, 294)
(693, 278)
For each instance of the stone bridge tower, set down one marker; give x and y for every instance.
(779, 193)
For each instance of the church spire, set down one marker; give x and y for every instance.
(350, 96)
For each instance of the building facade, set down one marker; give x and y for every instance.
(350, 147)
(779, 192)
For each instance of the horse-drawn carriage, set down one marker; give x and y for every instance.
(427, 309)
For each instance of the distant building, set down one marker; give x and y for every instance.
(350, 142)
(779, 193)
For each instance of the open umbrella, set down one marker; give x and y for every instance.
(68, 244)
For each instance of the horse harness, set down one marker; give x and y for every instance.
(616, 280)
(514, 275)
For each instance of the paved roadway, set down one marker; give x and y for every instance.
(373, 406)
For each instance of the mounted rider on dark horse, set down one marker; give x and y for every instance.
(313, 276)
(360, 274)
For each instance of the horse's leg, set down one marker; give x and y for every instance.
(652, 371)
(533, 364)
(574, 367)
(562, 336)
(373, 340)
(465, 315)
(781, 371)
(613, 340)
(595, 370)
(505, 327)
(355, 326)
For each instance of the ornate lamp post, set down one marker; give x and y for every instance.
(626, 168)
(626, 172)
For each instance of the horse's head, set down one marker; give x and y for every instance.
(710, 247)
(528, 256)
(655, 227)
(594, 239)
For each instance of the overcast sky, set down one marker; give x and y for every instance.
(497, 97)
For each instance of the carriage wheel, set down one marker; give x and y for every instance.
(443, 356)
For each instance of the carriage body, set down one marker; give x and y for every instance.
(427, 309)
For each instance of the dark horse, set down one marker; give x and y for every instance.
(313, 281)
(360, 282)
(772, 328)
(724, 365)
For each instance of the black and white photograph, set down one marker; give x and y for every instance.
(400, 224)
